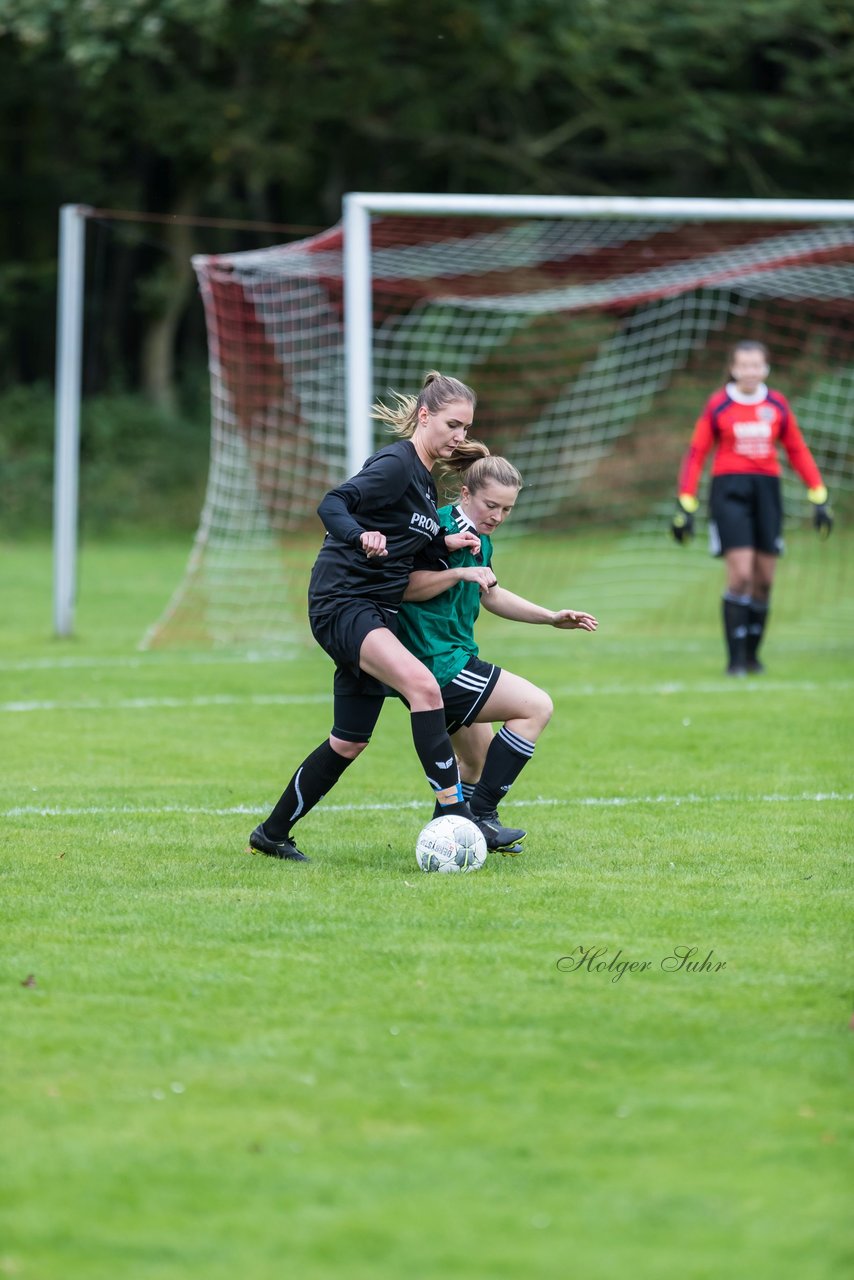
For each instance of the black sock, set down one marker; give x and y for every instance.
(736, 611)
(467, 789)
(507, 756)
(437, 756)
(757, 619)
(317, 774)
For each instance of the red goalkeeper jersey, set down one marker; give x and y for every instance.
(744, 432)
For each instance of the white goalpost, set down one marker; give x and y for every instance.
(592, 330)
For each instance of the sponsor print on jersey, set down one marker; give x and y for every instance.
(752, 439)
(423, 524)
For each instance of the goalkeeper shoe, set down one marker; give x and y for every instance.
(496, 835)
(260, 842)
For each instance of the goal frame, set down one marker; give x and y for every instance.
(358, 278)
(358, 209)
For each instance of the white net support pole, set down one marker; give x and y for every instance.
(358, 331)
(69, 352)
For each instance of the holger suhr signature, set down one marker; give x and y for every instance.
(681, 959)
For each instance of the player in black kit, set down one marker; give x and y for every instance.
(375, 524)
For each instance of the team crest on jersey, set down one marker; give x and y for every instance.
(766, 412)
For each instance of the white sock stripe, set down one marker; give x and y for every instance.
(300, 802)
(515, 741)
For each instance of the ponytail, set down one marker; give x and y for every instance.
(437, 390)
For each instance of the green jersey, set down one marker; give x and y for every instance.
(441, 631)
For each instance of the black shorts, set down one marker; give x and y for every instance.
(358, 697)
(746, 511)
(465, 695)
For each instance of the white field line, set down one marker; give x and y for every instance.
(148, 704)
(605, 802)
(722, 686)
(546, 645)
(150, 661)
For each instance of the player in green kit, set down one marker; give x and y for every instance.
(436, 623)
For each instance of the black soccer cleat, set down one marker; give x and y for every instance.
(261, 843)
(736, 669)
(496, 835)
(512, 851)
(755, 667)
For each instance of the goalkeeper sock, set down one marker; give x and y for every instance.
(317, 774)
(757, 620)
(507, 756)
(436, 754)
(736, 612)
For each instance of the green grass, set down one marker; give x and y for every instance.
(222, 1066)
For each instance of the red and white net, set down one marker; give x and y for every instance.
(592, 346)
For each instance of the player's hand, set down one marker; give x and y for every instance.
(481, 574)
(469, 539)
(573, 620)
(822, 519)
(682, 524)
(374, 544)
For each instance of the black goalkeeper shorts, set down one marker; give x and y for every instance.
(746, 511)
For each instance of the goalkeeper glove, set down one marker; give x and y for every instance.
(682, 524)
(822, 516)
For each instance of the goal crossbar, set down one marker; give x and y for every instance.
(360, 205)
(592, 329)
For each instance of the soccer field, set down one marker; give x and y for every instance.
(217, 1065)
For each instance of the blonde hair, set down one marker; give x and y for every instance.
(437, 390)
(491, 469)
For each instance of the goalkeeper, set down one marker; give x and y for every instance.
(436, 623)
(744, 422)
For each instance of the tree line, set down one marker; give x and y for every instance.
(272, 109)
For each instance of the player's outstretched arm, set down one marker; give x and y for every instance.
(574, 620)
(424, 584)
(505, 604)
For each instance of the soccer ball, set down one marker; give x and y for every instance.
(450, 844)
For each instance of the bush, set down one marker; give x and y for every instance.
(139, 467)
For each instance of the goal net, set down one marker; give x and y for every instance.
(592, 344)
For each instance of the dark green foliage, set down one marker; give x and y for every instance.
(138, 465)
(271, 110)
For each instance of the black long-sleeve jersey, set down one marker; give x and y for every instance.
(395, 494)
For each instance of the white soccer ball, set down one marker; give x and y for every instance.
(450, 844)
